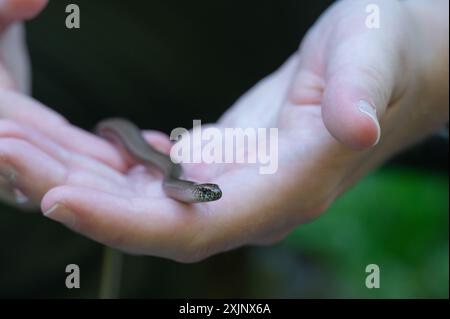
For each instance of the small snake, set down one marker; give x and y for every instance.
(129, 137)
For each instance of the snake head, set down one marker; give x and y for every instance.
(207, 192)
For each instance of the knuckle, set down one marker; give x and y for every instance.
(9, 128)
(11, 149)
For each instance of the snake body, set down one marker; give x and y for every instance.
(129, 136)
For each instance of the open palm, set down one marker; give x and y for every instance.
(325, 140)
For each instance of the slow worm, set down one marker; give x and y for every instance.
(129, 136)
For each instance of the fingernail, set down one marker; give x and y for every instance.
(8, 172)
(370, 111)
(61, 214)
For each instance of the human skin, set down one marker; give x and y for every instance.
(327, 142)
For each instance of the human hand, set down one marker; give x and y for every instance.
(30, 133)
(14, 64)
(326, 138)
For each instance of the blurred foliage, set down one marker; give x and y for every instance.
(395, 218)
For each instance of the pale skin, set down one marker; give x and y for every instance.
(326, 143)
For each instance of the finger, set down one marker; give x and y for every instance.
(7, 193)
(354, 94)
(14, 61)
(28, 168)
(32, 113)
(156, 227)
(306, 87)
(352, 71)
(362, 72)
(83, 170)
(12, 10)
(13, 197)
(307, 84)
(10, 129)
(357, 93)
(5, 79)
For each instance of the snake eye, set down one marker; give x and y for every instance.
(207, 192)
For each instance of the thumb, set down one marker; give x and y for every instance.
(359, 83)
